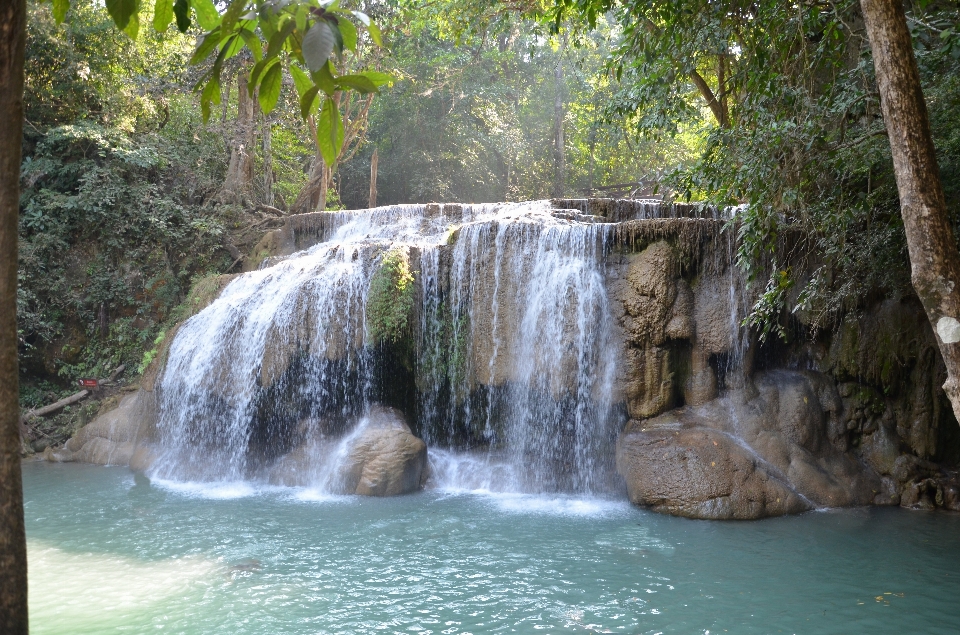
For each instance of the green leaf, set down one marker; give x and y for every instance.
(359, 83)
(207, 15)
(211, 93)
(329, 132)
(317, 46)
(121, 11)
(162, 14)
(379, 79)
(233, 46)
(60, 8)
(301, 17)
(232, 14)
(252, 42)
(206, 45)
(258, 69)
(375, 34)
(301, 80)
(275, 45)
(349, 33)
(324, 79)
(308, 101)
(270, 88)
(133, 26)
(181, 9)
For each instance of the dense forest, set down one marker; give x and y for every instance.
(130, 197)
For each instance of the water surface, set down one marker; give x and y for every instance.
(110, 553)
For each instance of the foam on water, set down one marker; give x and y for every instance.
(214, 490)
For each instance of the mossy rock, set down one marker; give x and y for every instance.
(390, 298)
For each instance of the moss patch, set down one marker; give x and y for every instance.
(390, 298)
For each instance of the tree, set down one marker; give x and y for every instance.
(13, 545)
(934, 259)
(296, 33)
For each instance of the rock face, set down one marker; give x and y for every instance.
(110, 439)
(764, 450)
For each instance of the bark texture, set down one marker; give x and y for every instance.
(13, 546)
(240, 169)
(372, 200)
(559, 144)
(934, 260)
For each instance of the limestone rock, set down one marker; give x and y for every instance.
(383, 457)
(110, 439)
(701, 473)
(713, 314)
(760, 451)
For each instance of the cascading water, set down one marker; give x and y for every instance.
(530, 358)
(508, 375)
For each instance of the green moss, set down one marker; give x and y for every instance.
(390, 298)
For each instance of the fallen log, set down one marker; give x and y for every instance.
(28, 432)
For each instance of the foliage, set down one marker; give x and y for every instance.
(390, 298)
(786, 102)
(115, 181)
(471, 116)
(276, 33)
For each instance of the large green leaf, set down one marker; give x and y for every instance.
(378, 78)
(349, 33)
(329, 132)
(207, 15)
(308, 101)
(301, 80)
(275, 44)
(206, 45)
(358, 82)
(60, 8)
(133, 26)
(259, 69)
(162, 14)
(121, 10)
(211, 93)
(253, 43)
(270, 88)
(317, 46)
(232, 14)
(181, 9)
(324, 79)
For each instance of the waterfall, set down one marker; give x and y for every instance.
(506, 367)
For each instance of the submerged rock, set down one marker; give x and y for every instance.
(761, 451)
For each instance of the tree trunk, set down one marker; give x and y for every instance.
(372, 201)
(559, 153)
(240, 169)
(934, 259)
(313, 196)
(267, 162)
(13, 544)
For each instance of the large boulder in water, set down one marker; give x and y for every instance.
(765, 450)
(382, 456)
